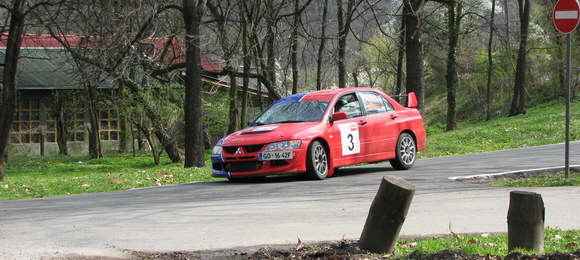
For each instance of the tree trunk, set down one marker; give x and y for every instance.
(8, 88)
(355, 78)
(561, 68)
(270, 48)
(519, 96)
(61, 124)
(400, 60)
(342, 33)
(453, 25)
(387, 215)
(322, 45)
(123, 135)
(246, 81)
(489, 63)
(192, 14)
(525, 219)
(294, 47)
(93, 127)
(234, 109)
(414, 64)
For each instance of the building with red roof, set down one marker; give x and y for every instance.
(45, 67)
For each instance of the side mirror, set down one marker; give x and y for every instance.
(339, 116)
(412, 100)
(251, 122)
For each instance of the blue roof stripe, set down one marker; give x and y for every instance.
(290, 99)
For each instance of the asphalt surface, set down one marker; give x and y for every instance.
(213, 215)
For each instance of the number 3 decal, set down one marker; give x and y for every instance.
(349, 138)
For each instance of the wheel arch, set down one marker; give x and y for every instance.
(410, 132)
(329, 153)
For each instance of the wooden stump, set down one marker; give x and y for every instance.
(526, 221)
(386, 215)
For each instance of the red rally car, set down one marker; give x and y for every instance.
(315, 133)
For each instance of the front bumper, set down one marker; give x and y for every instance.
(249, 165)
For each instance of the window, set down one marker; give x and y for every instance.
(108, 125)
(348, 104)
(75, 126)
(374, 103)
(26, 126)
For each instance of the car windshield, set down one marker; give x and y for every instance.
(307, 111)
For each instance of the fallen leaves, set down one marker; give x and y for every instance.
(571, 244)
(84, 185)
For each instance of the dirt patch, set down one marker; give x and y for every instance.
(336, 251)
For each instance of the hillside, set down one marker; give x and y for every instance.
(543, 124)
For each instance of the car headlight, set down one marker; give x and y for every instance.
(284, 145)
(217, 150)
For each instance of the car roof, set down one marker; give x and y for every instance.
(324, 95)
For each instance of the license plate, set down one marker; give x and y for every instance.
(267, 156)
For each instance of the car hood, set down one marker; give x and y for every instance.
(271, 133)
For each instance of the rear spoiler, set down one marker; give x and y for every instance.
(411, 99)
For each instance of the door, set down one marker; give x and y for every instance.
(382, 125)
(349, 135)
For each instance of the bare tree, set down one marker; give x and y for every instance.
(322, 45)
(453, 24)
(192, 14)
(223, 12)
(519, 95)
(8, 88)
(413, 10)
(344, 19)
(489, 63)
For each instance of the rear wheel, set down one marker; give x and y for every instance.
(406, 152)
(317, 161)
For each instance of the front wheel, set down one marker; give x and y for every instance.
(317, 161)
(406, 152)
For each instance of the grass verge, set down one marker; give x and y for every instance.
(541, 180)
(555, 240)
(56, 176)
(542, 125)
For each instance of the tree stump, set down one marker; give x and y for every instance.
(386, 215)
(525, 219)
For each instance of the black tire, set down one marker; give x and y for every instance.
(317, 161)
(406, 152)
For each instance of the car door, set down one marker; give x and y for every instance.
(348, 145)
(381, 125)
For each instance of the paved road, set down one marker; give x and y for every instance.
(216, 215)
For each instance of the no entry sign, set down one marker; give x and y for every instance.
(566, 15)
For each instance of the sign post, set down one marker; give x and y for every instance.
(566, 16)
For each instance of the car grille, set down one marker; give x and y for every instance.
(243, 166)
(247, 148)
(230, 149)
(253, 148)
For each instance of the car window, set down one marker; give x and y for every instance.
(348, 104)
(289, 112)
(374, 103)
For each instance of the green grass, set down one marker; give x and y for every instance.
(555, 240)
(543, 180)
(56, 176)
(541, 125)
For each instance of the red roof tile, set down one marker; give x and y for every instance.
(165, 50)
